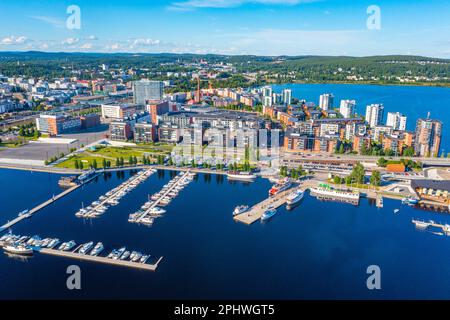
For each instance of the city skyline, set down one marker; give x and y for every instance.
(257, 27)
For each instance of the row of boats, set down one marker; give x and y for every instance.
(24, 245)
(112, 197)
(152, 208)
(124, 254)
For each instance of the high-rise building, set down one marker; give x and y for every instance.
(396, 120)
(374, 114)
(428, 137)
(287, 96)
(145, 90)
(326, 101)
(347, 108)
(267, 96)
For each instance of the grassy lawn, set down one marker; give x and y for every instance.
(112, 153)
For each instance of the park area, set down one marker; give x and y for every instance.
(108, 156)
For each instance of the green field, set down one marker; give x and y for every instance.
(112, 153)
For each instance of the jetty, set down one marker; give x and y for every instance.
(41, 206)
(255, 213)
(163, 195)
(99, 259)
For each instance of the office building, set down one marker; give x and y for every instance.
(118, 111)
(145, 132)
(55, 124)
(146, 90)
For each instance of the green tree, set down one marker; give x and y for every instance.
(375, 179)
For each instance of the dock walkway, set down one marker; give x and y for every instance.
(156, 202)
(257, 210)
(31, 212)
(123, 263)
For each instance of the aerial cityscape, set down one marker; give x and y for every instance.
(216, 166)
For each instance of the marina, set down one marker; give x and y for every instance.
(151, 209)
(112, 197)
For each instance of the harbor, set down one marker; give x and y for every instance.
(151, 209)
(112, 197)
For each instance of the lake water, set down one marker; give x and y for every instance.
(318, 250)
(413, 101)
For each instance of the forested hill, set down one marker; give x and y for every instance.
(381, 69)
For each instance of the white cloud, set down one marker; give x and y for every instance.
(14, 40)
(143, 43)
(70, 41)
(91, 37)
(193, 4)
(86, 46)
(55, 22)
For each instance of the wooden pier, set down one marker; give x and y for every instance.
(157, 201)
(98, 259)
(255, 213)
(122, 188)
(31, 212)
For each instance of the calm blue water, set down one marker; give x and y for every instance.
(413, 101)
(318, 250)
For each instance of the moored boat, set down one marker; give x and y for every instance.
(295, 197)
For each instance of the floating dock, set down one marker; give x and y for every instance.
(157, 201)
(146, 174)
(30, 213)
(255, 213)
(98, 259)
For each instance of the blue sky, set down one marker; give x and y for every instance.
(261, 27)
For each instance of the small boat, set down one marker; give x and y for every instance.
(125, 255)
(97, 249)
(240, 209)
(144, 258)
(53, 243)
(295, 197)
(18, 249)
(147, 220)
(86, 247)
(396, 210)
(119, 253)
(279, 187)
(236, 175)
(136, 257)
(157, 210)
(269, 213)
(23, 213)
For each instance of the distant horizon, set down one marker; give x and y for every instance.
(218, 54)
